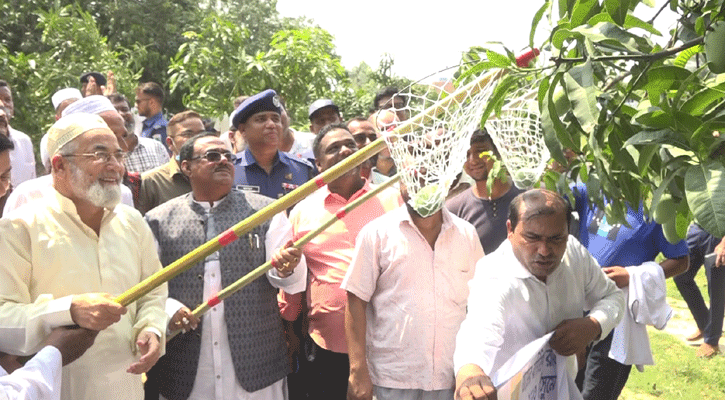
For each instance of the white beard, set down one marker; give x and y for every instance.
(105, 196)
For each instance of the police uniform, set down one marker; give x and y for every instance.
(288, 172)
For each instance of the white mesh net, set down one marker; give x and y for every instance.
(517, 134)
(430, 148)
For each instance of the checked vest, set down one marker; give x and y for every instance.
(254, 324)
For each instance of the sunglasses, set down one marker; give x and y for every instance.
(216, 156)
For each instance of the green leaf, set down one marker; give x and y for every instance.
(617, 9)
(550, 123)
(582, 11)
(497, 59)
(633, 22)
(702, 100)
(663, 136)
(535, 22)
(613, 36)
(705, 189)
(686, 54)
(582, 95)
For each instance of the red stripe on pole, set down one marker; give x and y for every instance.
(340, 214)
(319, 182)
(213, 301)
(227, 237)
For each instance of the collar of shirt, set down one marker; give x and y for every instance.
(402, 215)
(64, 205)
(205, 204)
(516, 269)
(247, 158)
(155, 121)
(334, 198)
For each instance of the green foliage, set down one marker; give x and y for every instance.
(73, 45)
(644, 120)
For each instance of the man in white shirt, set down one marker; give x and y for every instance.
(239, 351)
(538, 281)
(22, 157)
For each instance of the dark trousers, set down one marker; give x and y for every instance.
(329, 373)
(709, 321)
(603, 378)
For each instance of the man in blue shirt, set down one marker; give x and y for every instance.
(262, 168)
(616, 246)
(149, 102)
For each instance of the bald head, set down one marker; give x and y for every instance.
(537, 202)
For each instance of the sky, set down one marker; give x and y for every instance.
(422, 37)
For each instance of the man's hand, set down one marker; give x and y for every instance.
(9, 362)
(285, 259)
(95, 311)
(93, 88)
(720, 253)
(359, 385)
(183, 319)
(618, 274)
(150, 349)
(473, 384)
(110, 87)
(572, 336)
(71, 342)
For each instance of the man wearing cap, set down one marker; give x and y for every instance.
(163, 183)
(37, 188)
(323, 112)
(262, 168)
(68, 255)
(94, 83)
(63, 98)
(239, 351)
(149, 102)
(21, 158)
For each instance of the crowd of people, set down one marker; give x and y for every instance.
(384, 304)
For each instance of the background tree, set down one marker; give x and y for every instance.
(643, 120)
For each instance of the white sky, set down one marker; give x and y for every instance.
(423, 37)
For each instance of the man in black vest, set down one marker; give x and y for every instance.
(238, 348)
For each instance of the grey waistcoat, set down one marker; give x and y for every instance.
(254, 324)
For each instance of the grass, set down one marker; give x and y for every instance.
(678, 373)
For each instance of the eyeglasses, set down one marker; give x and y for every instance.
(363, 137)
(216, 156)
(103, 156)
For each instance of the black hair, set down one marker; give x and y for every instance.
(323, 132)
(538, 200)
(6, 143)
(152, 89)
(187, 149)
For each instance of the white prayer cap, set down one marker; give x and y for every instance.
(95, 104)
(65, 94)
(70, 127)
(44, 156)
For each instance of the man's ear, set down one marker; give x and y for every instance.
(186, 168)
(508, 227)
(58, 163)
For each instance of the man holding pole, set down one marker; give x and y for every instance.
(64, 254)
(328, 256)
(239, 351)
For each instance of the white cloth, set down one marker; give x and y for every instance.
(416, 297)
(49, 255)
(215, 376)
(646, 299)
(22, 158)
(41, 187)
(509, 307)
(302, 146)
(39, 379)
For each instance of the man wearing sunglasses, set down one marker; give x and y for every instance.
(239, 350)
(262, 168)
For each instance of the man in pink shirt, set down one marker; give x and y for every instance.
(407, 290)
(328, 257)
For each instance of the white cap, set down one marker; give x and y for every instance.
(65, 94)
(70, 127)
(95, 104)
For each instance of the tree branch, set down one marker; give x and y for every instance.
(635, 57)
(652, 20)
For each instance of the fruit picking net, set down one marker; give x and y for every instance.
(516, 131)
(430, 148)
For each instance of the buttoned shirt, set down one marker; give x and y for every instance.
(416, 297)
(154, 127)
(328, 256)
(162, 184)
(38, 188)
(38, 379)
(22, 159)
(288, 172)
(509, 307)
(148, 154)
(49, 255)
(215, 377)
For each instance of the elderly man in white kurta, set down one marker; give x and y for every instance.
(538, 281)
(65, 257)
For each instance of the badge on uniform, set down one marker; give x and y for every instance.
(248, 188)
(288, 177)
(288, 187)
